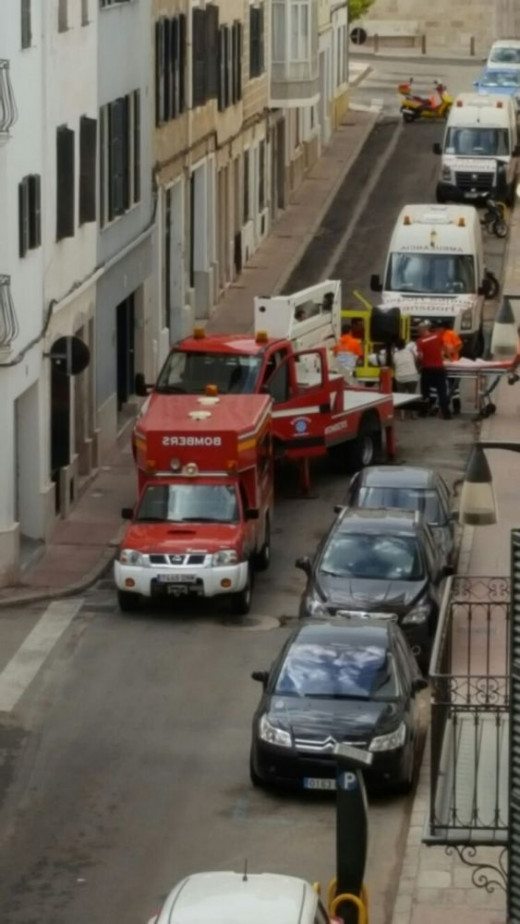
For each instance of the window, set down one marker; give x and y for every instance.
(87, 169)
(189, 503)
(427, 273)
(29, 203)
(65, 182)
(256, 41)
(189, 373)
(170, 68)
(105, 3)
(26, 23)
(247, 213)
(368, 555)
(337, 670)
(261, 176)
(63, 16)
(205, 54)
(120, 160)
(84, 13)
(300, 36)
(229, 65)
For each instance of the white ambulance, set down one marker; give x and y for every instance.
(435, 270)
(480, 149)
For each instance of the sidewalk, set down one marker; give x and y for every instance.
(83, 546)
(435, 888)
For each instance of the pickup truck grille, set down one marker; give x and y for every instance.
(191, 558)
(478, 182)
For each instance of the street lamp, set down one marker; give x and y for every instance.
(504, 339)
(477, 500)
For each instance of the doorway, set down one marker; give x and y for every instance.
(280, 164)
(125, 350)
(60, 429)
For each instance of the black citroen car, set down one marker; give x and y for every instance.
(341, 681)
(378, 564)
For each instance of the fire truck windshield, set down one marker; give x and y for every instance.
(188, 503)
(190, 373)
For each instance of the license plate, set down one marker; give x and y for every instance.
(316, 783)
(176, 578)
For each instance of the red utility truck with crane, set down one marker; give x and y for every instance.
(290, 358)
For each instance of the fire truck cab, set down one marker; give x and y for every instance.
(203, 520)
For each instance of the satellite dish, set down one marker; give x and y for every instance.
(69, 355)
(358, 36)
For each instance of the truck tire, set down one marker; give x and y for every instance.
(128, 602)
(365, 448)
(494, 285)
(241, 602)
(263, 559)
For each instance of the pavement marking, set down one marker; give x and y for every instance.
(23, 667)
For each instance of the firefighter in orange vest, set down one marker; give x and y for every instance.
(452, 346)
(349, 348)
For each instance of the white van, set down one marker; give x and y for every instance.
(504, 55)
(480, 149)
(235, 898)
(435, 270)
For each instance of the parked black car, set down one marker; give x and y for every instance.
(409, 487)
(342, 681)
(380, 564)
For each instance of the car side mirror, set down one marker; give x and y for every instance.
(338, 508)
(436, 148)
(304, 564)
(261, 676)
(142, 390)
(127, 513)
(485, 287)
(420, 683)
(375, 283)
(252, 513)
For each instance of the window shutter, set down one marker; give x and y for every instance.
(253, 41)
(126, 152)
(137, 144)
(87, 169)
(103, 156)
(212, 45)
(159, 70)
(167, 70)
(174, 67)
(65, 183)
(221, 69)
(116, 162)
(237, 57)
(23, 217)
(261, 65)
(26, 35)
(233, 63)
(182, 62)
(199, 63)
(228, 76)
(35, 211)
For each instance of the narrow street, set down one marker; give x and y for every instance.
(124, 766)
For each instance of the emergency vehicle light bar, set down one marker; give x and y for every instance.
(199, 333)
(407, 220)
(461, 223)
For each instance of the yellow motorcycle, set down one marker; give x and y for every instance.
(416, 107)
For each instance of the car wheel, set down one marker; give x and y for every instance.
(264, 556)
(363, 451)
(494, 285)
(405, 785)
(408, 115)
(128, 603)
(500, 228)
(255, 779)
(241, 602)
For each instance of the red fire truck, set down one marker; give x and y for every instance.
(203, 520)
(289, 357)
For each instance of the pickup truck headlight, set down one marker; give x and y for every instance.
(446, 174)
(224, 557)
(466, 319)
(417, 615)
(133, 557)
(389, 742)
(274, 735)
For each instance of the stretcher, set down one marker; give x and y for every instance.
(487, 375)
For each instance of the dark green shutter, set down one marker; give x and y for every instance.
(23, 217)
(35, 210)
(87, 169)
(64, 182)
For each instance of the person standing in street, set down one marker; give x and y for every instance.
(452, 345)
(406, 374)
(433, 374)
(348, 351)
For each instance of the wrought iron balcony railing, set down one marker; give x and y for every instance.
(470, 715)
(8, 321)
(8, 110)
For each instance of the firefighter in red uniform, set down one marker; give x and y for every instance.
(433, 373)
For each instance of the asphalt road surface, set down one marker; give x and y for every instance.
(124, 741)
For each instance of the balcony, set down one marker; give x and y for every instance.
(8, 321)
(8, 110)
(294, 53)
(470, 716)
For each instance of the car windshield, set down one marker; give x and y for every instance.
(369, 555)
(505, 56)
(426, 273)
(188, 503)
(427, 502)
(477, 142)
(337, 671)
(190, 373)
(499, 79)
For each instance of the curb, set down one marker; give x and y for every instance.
(293, 263)
(450, 58)
(71, 590)
(364, 72)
